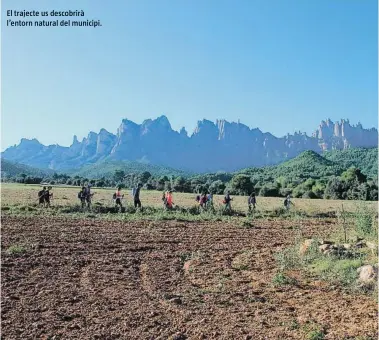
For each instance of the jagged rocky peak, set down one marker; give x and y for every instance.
(104, 132)
(204, 126)
(127, 126)
(162, 122)
(155, 141)
(222, 126)
(127, 122)
(226, 129)
(183, 132)
(104, 135)
(105, 142)
(160, 125)
(26, 141)
(92, 135)
(75, 140)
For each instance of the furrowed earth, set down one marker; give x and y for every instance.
(109, 279)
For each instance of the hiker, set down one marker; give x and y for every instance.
(88, 195)
(287, 202)
(210, 200)
(41, 196)
(169, 202)
(227, 200)
(118, 197)
(164, 200)
(82, 196)
(47, 197)
(252, 201)
(136, 192)
(203, 201)
(198, 199)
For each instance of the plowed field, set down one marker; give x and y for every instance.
(93, 279)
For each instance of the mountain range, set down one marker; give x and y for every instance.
(219, 146)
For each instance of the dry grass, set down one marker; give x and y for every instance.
(19, 194)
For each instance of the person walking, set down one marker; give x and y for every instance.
(137, 201)
(203, 201)
(287, 202)
(227, 200)
(169, 202)
(88, 195)
(210, 200)
(47, 196)
(41, 196)
(82, 196)
(118, 197)
(252, 201)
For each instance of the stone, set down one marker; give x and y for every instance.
(326, 242)
(367, 274)
(360, 244)
(372, 245)
(324, 247)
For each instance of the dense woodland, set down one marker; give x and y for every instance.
(346, 174)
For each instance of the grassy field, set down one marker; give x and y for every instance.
(19, 194)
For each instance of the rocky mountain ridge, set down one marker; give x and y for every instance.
(219, 146)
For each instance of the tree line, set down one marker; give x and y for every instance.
(352, 184)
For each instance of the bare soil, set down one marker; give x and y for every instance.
(93, 279)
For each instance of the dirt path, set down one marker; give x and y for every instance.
(88, 279)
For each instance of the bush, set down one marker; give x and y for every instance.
(309, 194)
(217, 187)
(365, 223)
(281, 279)
(342, 271)
(269, 190)
(241, 184)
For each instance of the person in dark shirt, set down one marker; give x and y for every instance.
(252, 201)
(137, 201)
(47, 196)
(164, 199)
(41, 196)
(227, 200)
(82, 196)
(88, 195)
(203, 201)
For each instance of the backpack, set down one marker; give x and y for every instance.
(79, 194)
(114, 196)
(285, 202)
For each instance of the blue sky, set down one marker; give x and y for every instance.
(280, 65)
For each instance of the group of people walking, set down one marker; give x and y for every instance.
(118, 197)
(44, 197)
(85, 196)
(205, 201)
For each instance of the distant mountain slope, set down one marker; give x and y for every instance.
(212, 147)
(107, 168)
(309, 164)
(364, 159)
(11, 169)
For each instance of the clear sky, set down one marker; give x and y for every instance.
(280, 65)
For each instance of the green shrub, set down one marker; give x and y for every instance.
(365, 223)
(281, 279)
(16, 250)
(309, 194)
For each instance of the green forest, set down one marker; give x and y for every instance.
(338, 174)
